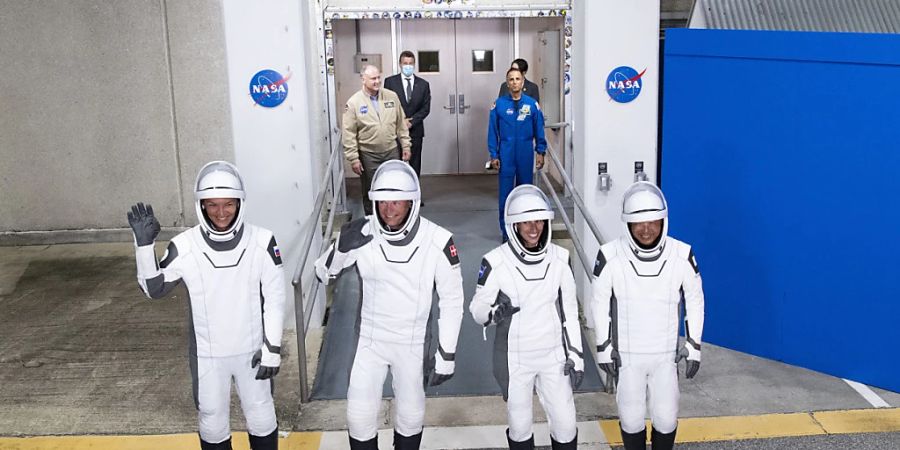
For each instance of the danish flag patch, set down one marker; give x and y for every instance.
(451, 253)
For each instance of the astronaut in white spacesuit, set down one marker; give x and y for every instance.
(527, 289)
(235, 281)
(401, 258)
(642, 281)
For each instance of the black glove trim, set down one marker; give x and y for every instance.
(446, 356)
(272, 348)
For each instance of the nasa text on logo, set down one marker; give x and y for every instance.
(268, 88)
(624, 84)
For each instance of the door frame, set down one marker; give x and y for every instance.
(443, 11)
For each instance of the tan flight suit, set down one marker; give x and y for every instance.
(369, 133)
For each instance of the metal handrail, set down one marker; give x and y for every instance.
(579, 247)
(303, 313)
(586, 264)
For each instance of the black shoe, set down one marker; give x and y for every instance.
(662, 441)
(571, 445)
(634, 441)
(402, 442)
(224, 445)
(268, 442)
(371, 444)
(516, 445)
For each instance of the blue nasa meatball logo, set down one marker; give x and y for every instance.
(624, 84)
(268, 88)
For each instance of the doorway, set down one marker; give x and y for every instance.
(464, 62)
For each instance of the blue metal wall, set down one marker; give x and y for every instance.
(780, 161)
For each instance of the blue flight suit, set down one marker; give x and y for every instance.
(515, 132)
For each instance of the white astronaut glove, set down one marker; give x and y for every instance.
(574, 368)
(442, 369)
(268, 363)
(693, 358)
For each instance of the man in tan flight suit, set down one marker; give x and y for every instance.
(372, 125)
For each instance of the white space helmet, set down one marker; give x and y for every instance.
(524, 204)
(219, 179)
(644, 202)
(395, 180)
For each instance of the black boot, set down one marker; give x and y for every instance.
(224, 445)
(634, 441)
(371, 444)
(516, 445)
(402, 442)
(571, 445)
(662, 441)
(269, 442)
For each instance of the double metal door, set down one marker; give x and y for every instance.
(464, 62)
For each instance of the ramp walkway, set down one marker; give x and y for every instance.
(467, 206)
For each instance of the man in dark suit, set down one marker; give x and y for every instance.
(530, 89)
(415, 98)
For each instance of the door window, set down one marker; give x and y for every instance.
(429, 61)
(482, 60)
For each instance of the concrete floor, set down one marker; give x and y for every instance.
(82, 351)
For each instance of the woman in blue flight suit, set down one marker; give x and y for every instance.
(515, 133)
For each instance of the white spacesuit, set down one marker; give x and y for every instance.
(400, 268)
(235, 281)
(528, 291)
(637, 297)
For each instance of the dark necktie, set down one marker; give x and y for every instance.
(408, 90)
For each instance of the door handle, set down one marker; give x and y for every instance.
(452, 106)
(462, 104)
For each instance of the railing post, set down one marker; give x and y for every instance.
(301, 341)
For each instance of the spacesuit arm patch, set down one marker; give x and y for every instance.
(600, 263)
(693, 260)
(274, 252)
(158, 287)
(445, 355)
(171, 254)
(451, 253)
(484, 272)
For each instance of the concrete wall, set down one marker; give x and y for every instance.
(104, 104)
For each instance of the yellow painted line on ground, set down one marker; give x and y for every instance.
(729, 428)
(294, 441)
(880, 420)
